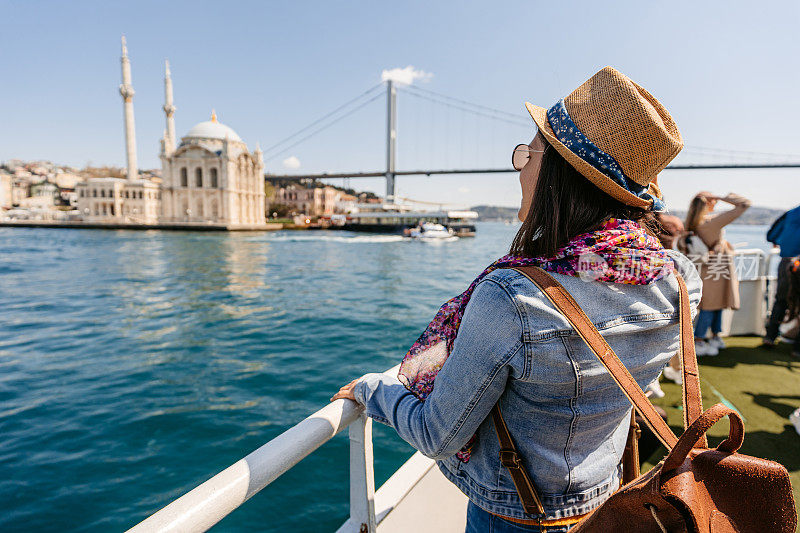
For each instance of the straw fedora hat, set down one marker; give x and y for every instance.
(614, 133)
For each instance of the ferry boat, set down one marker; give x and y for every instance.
(398, 218)
(417, 489)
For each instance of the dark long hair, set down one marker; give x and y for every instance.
(566, 204)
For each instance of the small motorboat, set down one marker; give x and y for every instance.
(428, 231)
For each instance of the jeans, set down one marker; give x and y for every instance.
(708, 319)
(480, 521)
(780, 305)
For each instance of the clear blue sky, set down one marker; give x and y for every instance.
(727, 71)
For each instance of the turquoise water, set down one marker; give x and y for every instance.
(135, 365)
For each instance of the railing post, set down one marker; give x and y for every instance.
(362, 476)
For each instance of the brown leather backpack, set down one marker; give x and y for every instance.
(693, 489)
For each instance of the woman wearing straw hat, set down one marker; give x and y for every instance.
(588, 197)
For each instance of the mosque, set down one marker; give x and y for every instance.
(209, 179)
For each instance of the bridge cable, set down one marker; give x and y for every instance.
(463, 102)
(324, 117)
(323, 128)
(462, 107)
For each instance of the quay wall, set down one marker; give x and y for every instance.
(185, 226)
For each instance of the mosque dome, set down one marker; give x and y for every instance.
(211, 129)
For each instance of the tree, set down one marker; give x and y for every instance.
(269, 190)
(279, 210)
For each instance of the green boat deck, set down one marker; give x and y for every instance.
(762, 385)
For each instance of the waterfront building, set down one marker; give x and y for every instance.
(346, 204)
(212, 177)
(117, 200)
(315, 202)
(5, 190)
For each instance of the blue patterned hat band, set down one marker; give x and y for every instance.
(573, 138)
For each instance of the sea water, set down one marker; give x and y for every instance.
(135, 365)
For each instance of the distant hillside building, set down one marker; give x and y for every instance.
(20, 189)
(119, 200)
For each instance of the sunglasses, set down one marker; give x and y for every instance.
(521, 155)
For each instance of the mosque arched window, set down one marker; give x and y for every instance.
(198, 177)
(102, 193)
(184, 178)
(214, 181)
(94, 193)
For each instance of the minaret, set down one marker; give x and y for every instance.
(126, 90)
(169, 110)
(259, 155)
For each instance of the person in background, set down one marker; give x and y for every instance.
(671, 230)
(720, 283)
(785, 232)
(793, 304)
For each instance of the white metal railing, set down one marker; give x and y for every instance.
(753, 263)
(213, 500)
(756, 292)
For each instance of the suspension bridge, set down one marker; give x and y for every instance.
(464, 122)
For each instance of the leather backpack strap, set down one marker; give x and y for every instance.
(692, 398)
(564, 302)
(631, 465)
(510, 459)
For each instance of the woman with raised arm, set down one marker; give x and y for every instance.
(717, 269)
(588, 197)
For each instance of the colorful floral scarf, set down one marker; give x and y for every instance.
(620, 251)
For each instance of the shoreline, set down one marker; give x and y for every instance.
(181, 226)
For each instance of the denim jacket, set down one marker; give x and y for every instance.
(568, 418)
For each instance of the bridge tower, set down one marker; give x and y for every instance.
(391, 138)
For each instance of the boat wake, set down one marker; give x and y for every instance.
(356, 239)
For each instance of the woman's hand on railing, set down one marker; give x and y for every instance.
(346, 392)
